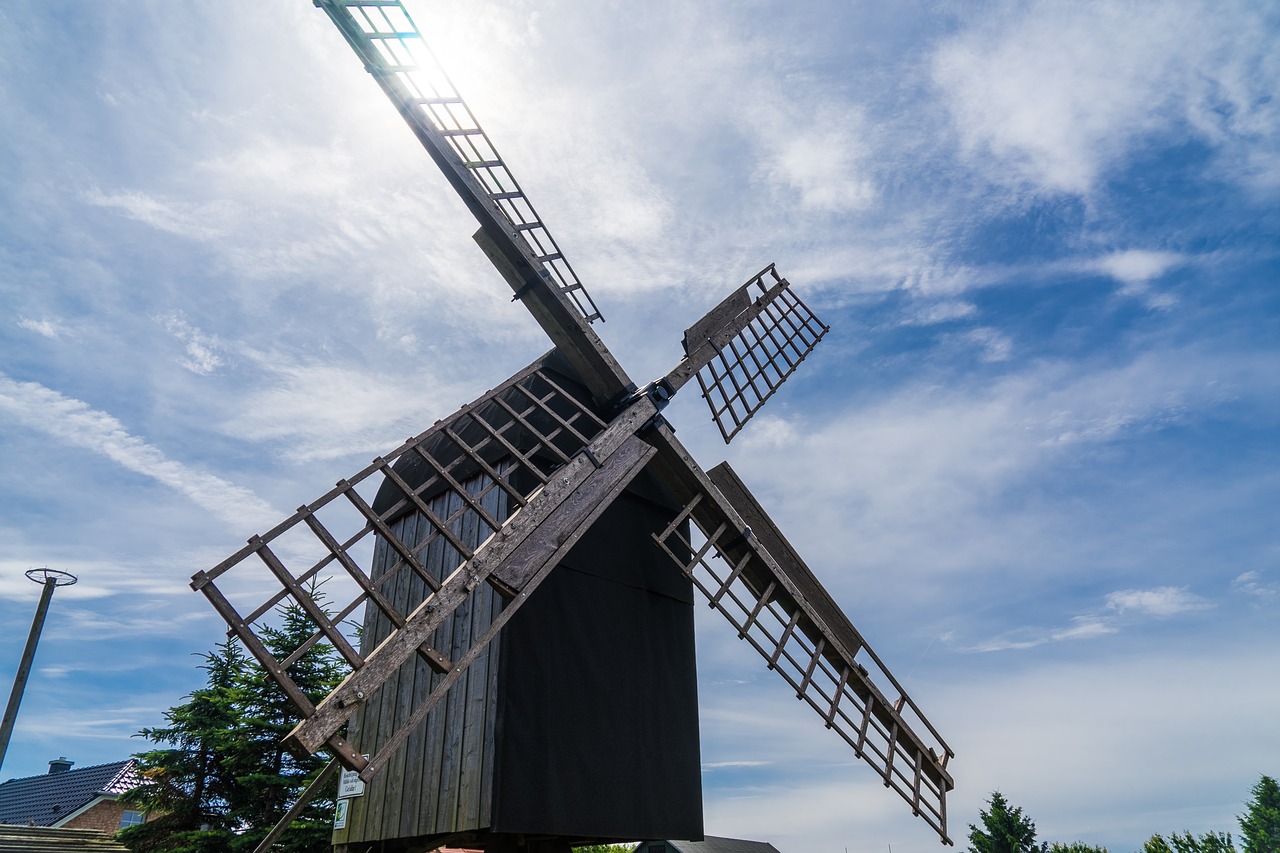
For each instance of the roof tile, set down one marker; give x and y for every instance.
(44, 800)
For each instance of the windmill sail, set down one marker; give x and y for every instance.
(748, 572)
(393, 50)
(744, 349)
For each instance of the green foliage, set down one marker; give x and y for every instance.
(1004, 830)
(1210, 842)
(605, 848)
(188, 780)
(1007, 830)
(1260, 825)
(220, 777)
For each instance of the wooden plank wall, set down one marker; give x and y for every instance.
(441, 780)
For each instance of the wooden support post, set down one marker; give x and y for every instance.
(296, 809)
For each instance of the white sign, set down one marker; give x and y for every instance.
(350, 785)
(340, 814)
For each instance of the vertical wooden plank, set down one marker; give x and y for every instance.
(418, 817)
(430, 821)
(376, 710)
(411, 778)
(477, 681)
(479, 697)
(403, 763)
(361, 824)
(487, 762)
(389, 783)
(455, 702)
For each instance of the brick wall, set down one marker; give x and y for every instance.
(103, 816)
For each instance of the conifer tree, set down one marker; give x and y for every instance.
(1004, 830)
(220, 777)
(189, 780)
(1260, 825)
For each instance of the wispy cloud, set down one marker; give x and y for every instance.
(1057, 93)
(1253, 583)
(44, 327)
(203, 355)
(1136, 269)
(1159, 602)
(993, 344)
(720, 765)
(940, 312)
(186, 219)
(318, 411)
(76, 423)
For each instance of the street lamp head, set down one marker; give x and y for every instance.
(45, 575)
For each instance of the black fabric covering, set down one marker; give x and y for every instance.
(598, 705)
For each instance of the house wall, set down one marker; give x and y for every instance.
(104, 816)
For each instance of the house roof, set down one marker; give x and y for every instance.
(45, 800)
(42, 839)
(714, 844)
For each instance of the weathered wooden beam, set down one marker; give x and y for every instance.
(706, 338)
(528, 567)
(296, 809)
(338, 707)
(591, 359)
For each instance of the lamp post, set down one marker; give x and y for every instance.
(49, 579)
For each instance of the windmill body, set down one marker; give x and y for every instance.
(512, 589)
(588, 692)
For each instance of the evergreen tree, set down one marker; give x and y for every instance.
(189, 781)
(1260, 826)
(1004, 830)
(1210, 842)
(1076, 847)
(221, 778)
(273, 776)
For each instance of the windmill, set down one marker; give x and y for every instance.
(496, 583)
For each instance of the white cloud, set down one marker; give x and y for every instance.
(940, 312)
(1137, 266)
(44, 327)
(323, 411)
(76, 423)
(720, 765)
(820, 157)
(195, 220)
(993, 344)
(1161, 601)
(1079, 715)
(1135, 269)
(202, 350)
(1084, 628)
(934, 480)
(1057, 92)
(1252, 583)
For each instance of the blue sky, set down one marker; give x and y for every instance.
(1036, 458)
